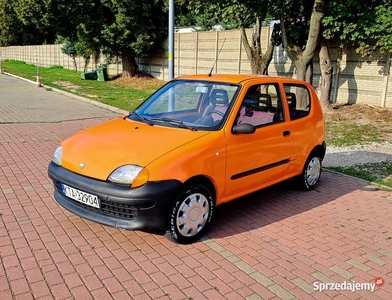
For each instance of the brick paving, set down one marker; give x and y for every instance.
(275, 244)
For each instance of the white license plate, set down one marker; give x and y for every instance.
(80, 196)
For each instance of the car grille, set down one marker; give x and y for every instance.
(108, 208)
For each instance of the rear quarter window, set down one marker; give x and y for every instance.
(298, 99)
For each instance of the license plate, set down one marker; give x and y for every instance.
(80, 196)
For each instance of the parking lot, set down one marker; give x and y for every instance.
(281, 243)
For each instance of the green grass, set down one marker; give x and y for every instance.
(109, 92)
(345, 134)
(379, 173)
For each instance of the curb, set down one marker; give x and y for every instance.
(376, 185)
(102, 105)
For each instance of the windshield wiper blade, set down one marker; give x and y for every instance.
(178, 123)
(141, 118)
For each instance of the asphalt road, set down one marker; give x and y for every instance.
(279, 243)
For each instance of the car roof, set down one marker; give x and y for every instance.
(236, 78)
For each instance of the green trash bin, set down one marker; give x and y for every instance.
(92, 75)
(102, 73)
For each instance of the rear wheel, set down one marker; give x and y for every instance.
(190, 215)
(311, 172)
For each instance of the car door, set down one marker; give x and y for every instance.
(257, 159)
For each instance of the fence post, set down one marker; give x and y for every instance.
(178, 54)
(196, 51)
(216, 51)
(239, 52)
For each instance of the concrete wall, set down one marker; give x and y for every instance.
(356, 79)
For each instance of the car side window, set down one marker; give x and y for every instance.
(298, 99)
(261, 105)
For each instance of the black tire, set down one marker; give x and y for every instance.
(190, 215)
(311, 172)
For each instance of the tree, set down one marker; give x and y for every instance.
(300, 23)
(37, 15)
(259, 62)
(183, 15)
(24, 23)
(8, 33)
(133, 28)
(69, 49)
(241, 14)
(126, 28)
(368, 23)
(326, 75)
(301, 29)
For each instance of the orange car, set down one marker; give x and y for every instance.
(197, 142)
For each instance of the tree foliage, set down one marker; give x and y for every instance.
(121, 28)
(133, 28)
(69, 49)
(368, 23)
(240, 14)
(301, 35)
(184, 15)
(24, 23)
(228, 13)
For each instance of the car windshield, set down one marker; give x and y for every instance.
(188, 104)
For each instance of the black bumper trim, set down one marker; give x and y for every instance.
(147, 206)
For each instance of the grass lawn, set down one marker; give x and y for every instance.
(121, 93)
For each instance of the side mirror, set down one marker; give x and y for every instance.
(244, 128)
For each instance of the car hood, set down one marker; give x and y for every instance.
(98, 151)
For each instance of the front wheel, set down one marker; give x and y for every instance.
(190, 215)
(311, 172)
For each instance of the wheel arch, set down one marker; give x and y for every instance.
(319, 150)
(204, 180)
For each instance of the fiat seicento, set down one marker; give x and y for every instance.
(197, 142)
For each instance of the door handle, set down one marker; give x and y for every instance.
(286, 133)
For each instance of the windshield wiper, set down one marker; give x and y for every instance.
(141, 118)
(178, 123)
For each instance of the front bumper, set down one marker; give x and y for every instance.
(144, 207)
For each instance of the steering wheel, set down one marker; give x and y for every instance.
(216, 112)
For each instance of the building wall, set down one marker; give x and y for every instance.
(356, 79)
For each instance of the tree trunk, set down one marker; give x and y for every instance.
(301, 68)
(309, 72)
(129, 66)
(259, 62)
(303, 58)
(326, 76)
(75, 64)
(86, 62)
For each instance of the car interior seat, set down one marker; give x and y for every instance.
(292, 101)
(265, 102)
(219, 102)
(254, 117)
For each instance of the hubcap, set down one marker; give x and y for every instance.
(313, 171)
(192, 214)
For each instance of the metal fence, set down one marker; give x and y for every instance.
(356, 79)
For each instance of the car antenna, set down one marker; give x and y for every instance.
(213, 66)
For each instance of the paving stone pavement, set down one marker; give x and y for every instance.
(279, 243)
(22, 102)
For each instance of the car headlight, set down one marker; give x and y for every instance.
(129, 175)
(57, 155)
